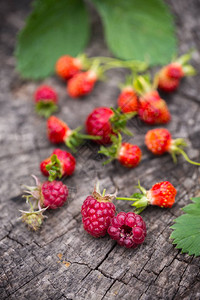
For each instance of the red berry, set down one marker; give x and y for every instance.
(57, 130)
(54, 194)
(128, 100)
(97, 212)
(169, 77)
(129, 155)
(98, 124)
(67, 66)
(153, 110)
(81, 84)
(59, 166)
(128, 229)
(162, 194)
(158, 140)
(45, 94)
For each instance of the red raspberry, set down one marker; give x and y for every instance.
(128, 229)
(54, 194)
(97, 212)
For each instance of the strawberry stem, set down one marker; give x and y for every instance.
(54, 168)
(46, 109)
(113, 150)
(181, 151)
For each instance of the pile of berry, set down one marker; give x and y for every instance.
(104, 126)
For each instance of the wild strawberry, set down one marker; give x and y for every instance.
(159, 141)
(68, 66)
(128, 229)
(151, 109)
(97, 211)
(161, 194)
(128, 100)
(59, 132)
(81, 84)
(127, 154)
(169, 76)
(42, 196)
(104, 122)
(45, 99)
(60, 163)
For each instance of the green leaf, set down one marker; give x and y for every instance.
(53, 29)
(138, 29)
(186, 234)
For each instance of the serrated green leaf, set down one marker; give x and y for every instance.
(54, 28)
(186, 234)
(138, 29)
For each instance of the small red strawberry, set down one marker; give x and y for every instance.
(81, 84)
(169, 76)
(59, 132)
(97, 211)
(42, 196)
(161, 194)
(128, 100)
(127, 154)
(60, 163)
(45, 99)
(68, 66)
(104, 122)
(159, 141)
(128, 229)
(151, 109)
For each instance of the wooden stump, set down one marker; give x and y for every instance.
(62, 261)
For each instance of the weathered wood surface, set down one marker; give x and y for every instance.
(62, 261)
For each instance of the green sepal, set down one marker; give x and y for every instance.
(137, 196)
(75, 139)
(177, 147)
(54, 168)
(119, 121)
(45, 109)
(113, 150)
(142, 84)
(187, 68)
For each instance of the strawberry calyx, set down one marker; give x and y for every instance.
(140, 200)
(113, 151)
(46, 108)
(118, 120)
(54, 168)
(188, 70)
(176, 148)
(75, 138)
(143, 85)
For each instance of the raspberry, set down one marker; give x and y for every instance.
(128, 229)
(54, 194)
(97, 212)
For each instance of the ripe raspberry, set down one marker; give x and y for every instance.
(81, 84)
(128, 229)
(127, 154)
(104, 122)
(161, 194)
(45, 99)
(59, 164)
(159, 141)
(128, 100)
(97, 212)
(54, 194)
(68, 66)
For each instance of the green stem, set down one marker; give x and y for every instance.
(104, 192)
(187, 158)
(88, 137)
(128, 199)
